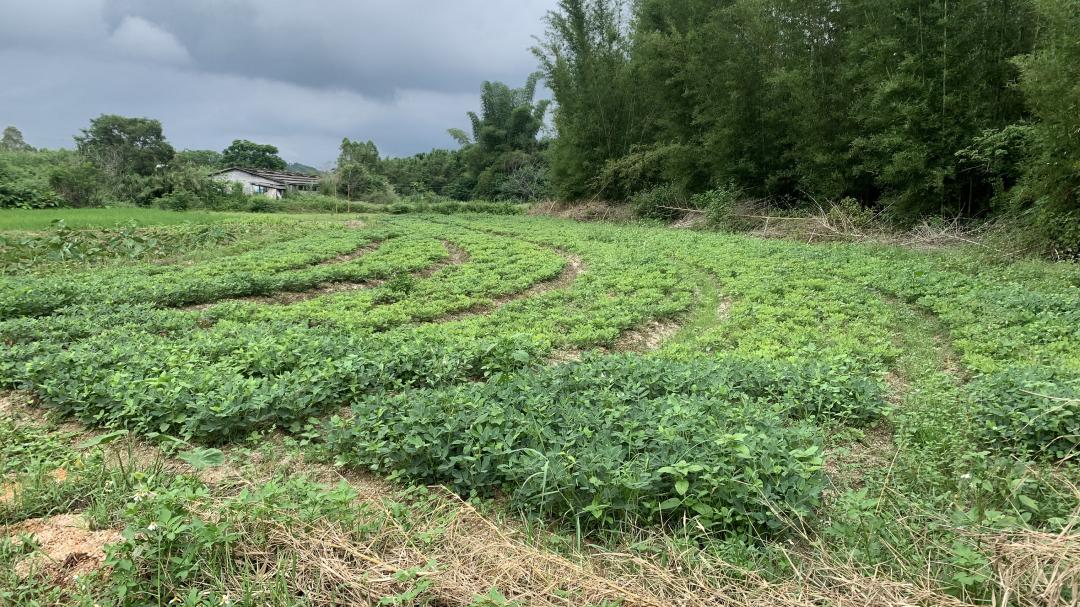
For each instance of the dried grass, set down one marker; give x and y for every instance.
(1036, 569)
(460, 554)
(587, 210)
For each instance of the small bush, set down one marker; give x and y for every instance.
(849, 215)
(659, 202)
(721, 206)
(1029, 411)
(180, 200)
(727, 443)
(19, 196)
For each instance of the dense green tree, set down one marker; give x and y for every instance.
(791, 100)
(599, 117)
(248, 154)
(928, 78)
(359, 152)
(199, 158)
(1051, 82)
(122, 146)
(12, 141)
(504, 135)
(357, 175)
(436, 172)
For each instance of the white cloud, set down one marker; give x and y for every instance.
(137, 38)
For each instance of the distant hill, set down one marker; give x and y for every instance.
(296, 167)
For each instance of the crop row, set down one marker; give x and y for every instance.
(495, 267)
(1015, 326)
(618, 439)
(253, 272)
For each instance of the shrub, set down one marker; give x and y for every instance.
(78, 183)
(1029, 410)
(721, 206)
(178, 200)
(619, 438)
(659, 202)
(20, 196)
(848, 214)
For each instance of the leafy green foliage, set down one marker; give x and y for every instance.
(1050, 79)
(907, 106)
(12, 141)
(585, 59)
(608, 440)
(357, 176)
(119, 146)
(1029, 412)
(25, 180)
(501, 156)
(248, 154)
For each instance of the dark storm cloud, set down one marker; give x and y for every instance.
(301, 75)
(374, 47)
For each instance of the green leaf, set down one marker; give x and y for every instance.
(1028, 503)
(681, 486)
(670, 504)
(101, 439)
(201, 458)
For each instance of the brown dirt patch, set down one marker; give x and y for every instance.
(355, 224)
(724, 308)
(67, 546)
(565, 355)
(10, 403)
(848, 466)
(648, 337)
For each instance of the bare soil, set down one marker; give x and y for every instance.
(648, 337)
(67, 547)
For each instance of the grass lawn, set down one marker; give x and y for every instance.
(40, 219)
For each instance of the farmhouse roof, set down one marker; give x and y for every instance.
(285, 178)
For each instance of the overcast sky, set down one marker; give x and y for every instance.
(298, 74)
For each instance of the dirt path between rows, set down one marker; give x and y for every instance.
(573, 268)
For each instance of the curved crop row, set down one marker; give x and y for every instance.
(250, 273)
(496, 266)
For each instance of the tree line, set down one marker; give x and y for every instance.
(129, 160)
(917, 107)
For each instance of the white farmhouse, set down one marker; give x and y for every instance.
(272, 184)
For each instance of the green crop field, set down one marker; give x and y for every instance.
(41, 219)
(808, 415)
